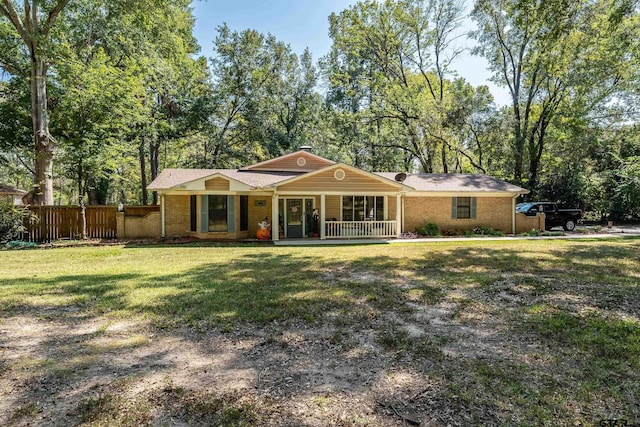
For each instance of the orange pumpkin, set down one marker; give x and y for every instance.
(263, 234)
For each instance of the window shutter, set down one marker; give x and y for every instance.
(454, 208)
(204, 214)
(231, 214)
(193, 213)
(474, 207)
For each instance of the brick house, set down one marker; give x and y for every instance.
(310, 196)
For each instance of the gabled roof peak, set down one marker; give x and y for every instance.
(299, 161)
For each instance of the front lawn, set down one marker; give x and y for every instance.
(460, 333)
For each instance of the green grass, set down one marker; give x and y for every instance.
(543, 332)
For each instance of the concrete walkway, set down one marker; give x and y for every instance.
(606, 233)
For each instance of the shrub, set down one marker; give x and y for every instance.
(487, 231)
(408, 235)
(12, 219)
(534, 232)
(430, 229)
(451, 232)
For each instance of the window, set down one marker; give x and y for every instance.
(375, 208)
(463, 207)
(217, 213)
(362, 208)
(244, 213)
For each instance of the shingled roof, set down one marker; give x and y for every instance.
(454, 182)
(6, 189)
(170, 178)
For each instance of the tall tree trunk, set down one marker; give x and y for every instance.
(154, 164)
(97, 190)
(518, 143)
(535, 154)
(143, 174)
(44, 148)
(445, 166)
(83, 217)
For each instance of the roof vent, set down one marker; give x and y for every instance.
(306, 148)
(400, 177)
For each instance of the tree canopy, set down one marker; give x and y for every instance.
(98, 96)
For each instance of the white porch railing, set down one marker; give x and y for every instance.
(347, 229)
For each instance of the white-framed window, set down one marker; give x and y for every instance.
(363, 208)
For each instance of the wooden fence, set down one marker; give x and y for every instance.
(65, 222)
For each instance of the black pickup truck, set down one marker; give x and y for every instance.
(554, 217)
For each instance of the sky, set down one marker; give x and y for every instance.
(305, 23)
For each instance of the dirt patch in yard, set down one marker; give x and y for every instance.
(392, 371)
(99, 371)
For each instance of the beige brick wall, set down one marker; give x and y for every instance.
(494, 212)
(526, 223)
(135, 227)
(177, 216)
(178, 220)
(257, 214)
(391, 208)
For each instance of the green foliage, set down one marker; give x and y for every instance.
(430, 229)
(486, 231)
(98, 100)
(12, 220)
(114, 71)
(540, 60)
(535, 232)
(127, 97)
(262, 104)
(18, 244)
(451, 232)
(393, 93)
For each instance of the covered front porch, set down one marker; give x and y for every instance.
(325, 215)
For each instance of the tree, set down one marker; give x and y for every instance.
(392, 62)
(15, 133)
(554, 56)
(33, 28)
(37, 36)
(96, 101)
(262, 99)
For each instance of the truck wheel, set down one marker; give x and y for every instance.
(569, 225)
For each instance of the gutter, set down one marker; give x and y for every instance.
(513, 214)
(162, 215)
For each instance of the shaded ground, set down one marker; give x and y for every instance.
(418, 334)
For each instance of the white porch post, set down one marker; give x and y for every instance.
(162, 216)
(398, 215)
(404, 197)
(275, 218)
(322, 216)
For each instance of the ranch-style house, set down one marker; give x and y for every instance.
(304, 195)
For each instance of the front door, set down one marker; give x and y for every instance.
(294, 217)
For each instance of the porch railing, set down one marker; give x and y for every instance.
(348, 229)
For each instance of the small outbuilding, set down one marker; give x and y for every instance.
(11, 195)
